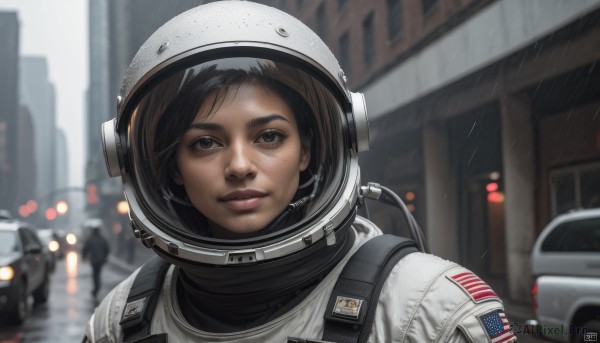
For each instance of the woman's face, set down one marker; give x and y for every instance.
(241, 165)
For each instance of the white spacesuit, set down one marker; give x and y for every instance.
(420, 302)
(273, 284)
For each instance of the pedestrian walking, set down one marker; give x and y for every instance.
(96, 249)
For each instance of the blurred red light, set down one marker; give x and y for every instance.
(495, 197)
(92, 194)
(491, 187)
(534, 293)
(51, 214)
(23, 212)
(32, 206)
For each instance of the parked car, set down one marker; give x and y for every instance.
(51, 244)
(24, 270)
(566, 268)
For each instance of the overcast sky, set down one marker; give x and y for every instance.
(58, 30)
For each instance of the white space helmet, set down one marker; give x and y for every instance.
(205, 50)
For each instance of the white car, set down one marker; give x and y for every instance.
(566, 268)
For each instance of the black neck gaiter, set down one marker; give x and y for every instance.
(236, 298)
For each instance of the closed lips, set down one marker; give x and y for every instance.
(241, 195)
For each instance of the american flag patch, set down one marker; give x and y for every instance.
(478, 290)
(497, 327)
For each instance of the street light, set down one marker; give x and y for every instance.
(61, 207)
(123, 207)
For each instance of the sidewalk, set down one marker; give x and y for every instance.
(516, 310)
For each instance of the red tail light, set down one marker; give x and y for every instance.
(534, 293)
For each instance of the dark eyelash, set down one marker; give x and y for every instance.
(197, 140)
(276, 132)
(194, 142)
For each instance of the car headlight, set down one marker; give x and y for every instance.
(53, 246)
(71, 239)
(6, 273)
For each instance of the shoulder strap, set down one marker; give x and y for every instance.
(142, 298)
(351, 307)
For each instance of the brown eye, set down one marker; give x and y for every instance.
(271, 137)
(203, 143)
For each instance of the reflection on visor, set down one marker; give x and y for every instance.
(160, 124)
(236, 63)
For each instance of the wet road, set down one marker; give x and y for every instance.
(70, 304)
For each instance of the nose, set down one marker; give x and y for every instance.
(239, 164)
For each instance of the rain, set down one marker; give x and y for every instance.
(484, 118)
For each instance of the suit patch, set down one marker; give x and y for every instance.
(133, 309)
(497, 327)
(476, 289)
(347, 307)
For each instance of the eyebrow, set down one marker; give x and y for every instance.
(252, 123)
(265, 120)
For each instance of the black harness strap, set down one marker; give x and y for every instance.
(350, 310)
(141, 302)
(351, 307)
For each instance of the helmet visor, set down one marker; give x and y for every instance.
(235, 151)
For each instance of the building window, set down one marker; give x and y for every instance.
(321, 21)
(394, 19)
(428, 5)
(344, 52)
(575, 187)
(341, 5)
(368, 40)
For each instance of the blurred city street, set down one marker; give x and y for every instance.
(69, 306)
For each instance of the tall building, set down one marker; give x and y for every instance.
(483, 116)
(62, 160)
(9, 109)
(62, 180)
(37, 94)
(99, 104)
(27, 167)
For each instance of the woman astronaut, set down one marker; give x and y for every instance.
(236, 140)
